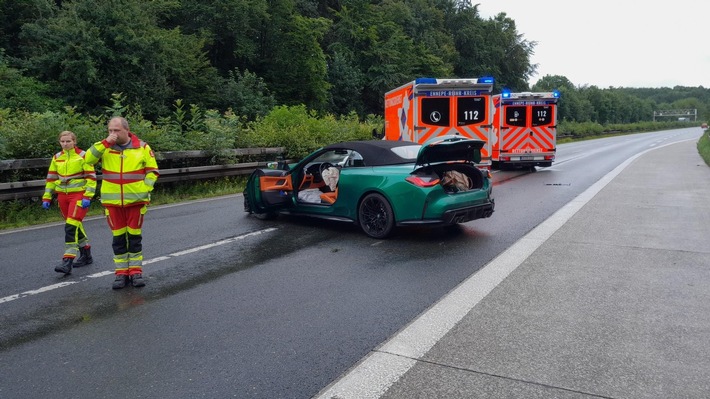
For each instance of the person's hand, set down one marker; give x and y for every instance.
(45, 205)
(85, 203)
(111, 139)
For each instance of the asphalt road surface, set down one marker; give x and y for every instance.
(239, 307)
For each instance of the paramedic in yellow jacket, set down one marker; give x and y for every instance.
(129, 171)
(74, 181)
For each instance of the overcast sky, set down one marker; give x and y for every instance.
(622, 43)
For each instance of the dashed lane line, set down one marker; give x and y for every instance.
(145, 262)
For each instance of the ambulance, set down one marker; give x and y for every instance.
(524, 128)
(428, 107)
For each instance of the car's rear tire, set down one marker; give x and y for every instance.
(375, 216)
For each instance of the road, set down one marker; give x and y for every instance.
(238, 307)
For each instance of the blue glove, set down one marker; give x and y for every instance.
(45, 205)
(85, 203)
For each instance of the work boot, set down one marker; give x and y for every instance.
(84, 257)
(65, 267)
(120, 281)
(137, 280)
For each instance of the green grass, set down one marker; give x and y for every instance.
(22, 213)
(704, 146)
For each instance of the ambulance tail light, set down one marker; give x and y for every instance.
(422, 181)
(505, 159)
(549, 157)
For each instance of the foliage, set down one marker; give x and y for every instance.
(302, 132)
(89, 49)
(246, 95)
(704, 146)
(24, 93)
(247, 56)
(36, 135)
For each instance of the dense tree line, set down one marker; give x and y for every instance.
(333, 56)
(245, 57)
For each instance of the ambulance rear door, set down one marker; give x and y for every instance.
(448, 109)
(528, 131)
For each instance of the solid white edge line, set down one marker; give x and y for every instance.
(377, 371)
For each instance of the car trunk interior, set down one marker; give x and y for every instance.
(454, 177)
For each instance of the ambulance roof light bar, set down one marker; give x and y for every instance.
(487, 80)
(507, 94)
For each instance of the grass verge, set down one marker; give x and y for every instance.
(704, 146)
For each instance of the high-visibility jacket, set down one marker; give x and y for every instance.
(70, 173)
(128, 172)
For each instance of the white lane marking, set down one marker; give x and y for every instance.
(377, 371)
(145, 262)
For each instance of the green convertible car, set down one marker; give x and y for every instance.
(379, 184)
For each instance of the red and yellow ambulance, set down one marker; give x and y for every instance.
(524, 128)
(428, 107)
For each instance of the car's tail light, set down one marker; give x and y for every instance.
(422, 181)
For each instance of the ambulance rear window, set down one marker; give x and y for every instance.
(515, 116)
(470, 110)
(541, 115)
(436, 111)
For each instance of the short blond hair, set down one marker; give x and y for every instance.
(67, 133)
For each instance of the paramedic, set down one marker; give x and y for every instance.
(129, 172)
(74, 181)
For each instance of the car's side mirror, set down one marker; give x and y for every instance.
(280, 165)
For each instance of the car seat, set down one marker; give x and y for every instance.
(329, 197)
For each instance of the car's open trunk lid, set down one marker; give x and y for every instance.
(450, 149)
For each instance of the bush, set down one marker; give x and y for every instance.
(704, 146)
(301, 132)
(35, 135)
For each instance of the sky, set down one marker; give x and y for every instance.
(622, 43)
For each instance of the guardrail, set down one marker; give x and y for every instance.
(35, 188)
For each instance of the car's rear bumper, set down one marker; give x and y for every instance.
(453, 216)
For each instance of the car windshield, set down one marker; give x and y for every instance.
(408, 152)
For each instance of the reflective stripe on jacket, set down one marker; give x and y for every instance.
(128, 172)
(70, 173)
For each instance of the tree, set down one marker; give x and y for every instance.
(89, 50)
(491, 48)
(347, 83)
(19, 92)
(232, 30)
(298, 68)
(247, 95)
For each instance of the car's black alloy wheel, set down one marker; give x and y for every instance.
(376, 216)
